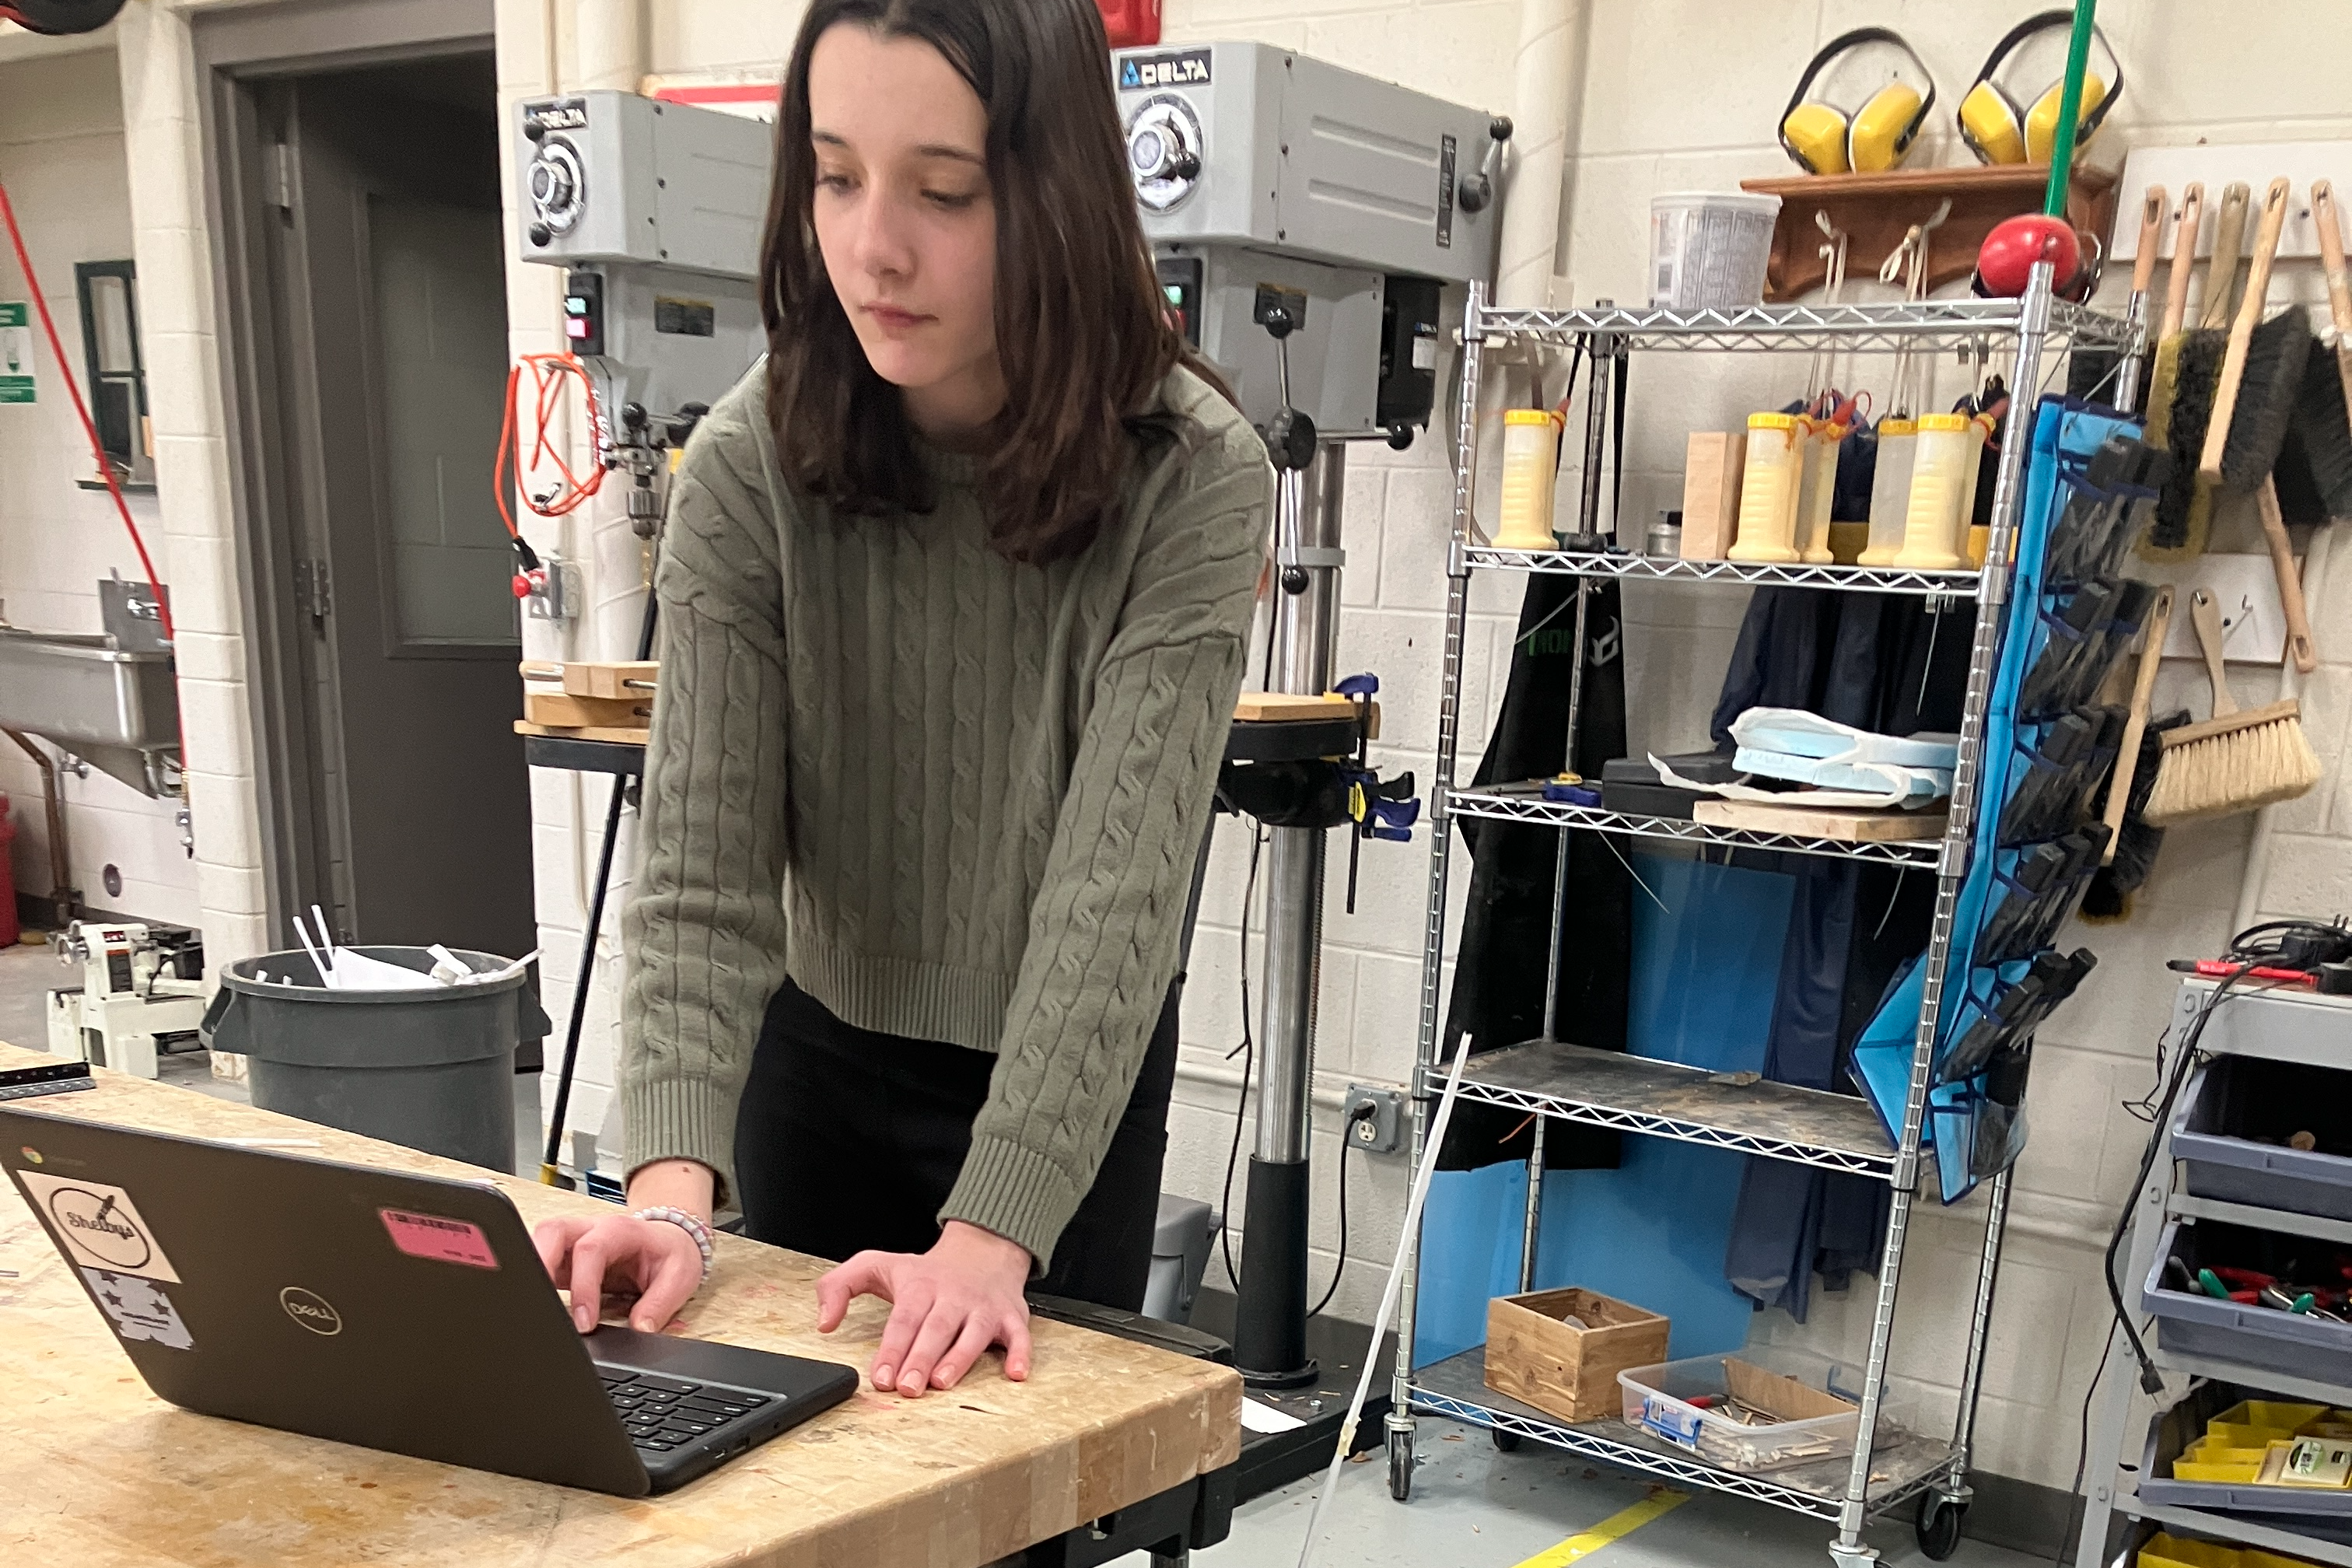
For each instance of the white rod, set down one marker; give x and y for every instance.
(1405, 1235)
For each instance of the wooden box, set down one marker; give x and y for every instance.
(1712, 460)
(1564, 1371)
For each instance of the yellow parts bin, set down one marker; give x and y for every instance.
(2162, 1550)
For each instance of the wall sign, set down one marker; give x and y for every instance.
(15, 352)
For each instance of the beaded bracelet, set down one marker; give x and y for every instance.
(685, 1222)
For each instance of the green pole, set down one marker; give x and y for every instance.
(2070, 105)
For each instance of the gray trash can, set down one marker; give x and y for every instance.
(432, 1069)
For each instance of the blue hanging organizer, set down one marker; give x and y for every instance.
(2089, 484)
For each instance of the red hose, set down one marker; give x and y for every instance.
(98, 448)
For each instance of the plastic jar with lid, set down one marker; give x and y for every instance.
(1767, 490)
(1531, 466)
(1937, 509)
(1890, 491)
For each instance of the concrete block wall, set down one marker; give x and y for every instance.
(63, 159)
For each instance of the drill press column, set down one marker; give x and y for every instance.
(1270, 1331)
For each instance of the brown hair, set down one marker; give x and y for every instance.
(1082, 333)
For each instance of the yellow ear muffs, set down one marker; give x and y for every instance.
(1821, 139)
(1814, 134)
(1989, 125)
(1990, 121)
(2041, 120)
(1879, 135)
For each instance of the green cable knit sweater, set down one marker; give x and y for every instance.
(953, 797)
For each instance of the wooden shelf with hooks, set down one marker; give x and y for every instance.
(1877, 209)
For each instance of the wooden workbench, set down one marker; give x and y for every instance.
(98, 1473)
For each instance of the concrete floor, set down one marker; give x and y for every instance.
(27, 976)
(1472, 1507)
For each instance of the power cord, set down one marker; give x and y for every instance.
(2066, 1538)
(1364, 1112)
(1248, 1051)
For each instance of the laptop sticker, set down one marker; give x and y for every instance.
(99, 1226)
(139, 1308)
(442, 1240)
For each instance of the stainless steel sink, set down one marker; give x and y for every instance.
(119, 710)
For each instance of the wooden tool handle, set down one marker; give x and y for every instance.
(2229, 244)
(2206, 616)
(2153, 206)
(2339, 286)
(2241, 333)
(2290, 582)
(2151, 654)
(2184, 257)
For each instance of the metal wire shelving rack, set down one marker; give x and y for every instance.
(1551, 1077)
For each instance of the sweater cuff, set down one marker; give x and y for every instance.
(680, 1119)
(1016, 1192)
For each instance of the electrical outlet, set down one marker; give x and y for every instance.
(558, 597)
(1382, 1132)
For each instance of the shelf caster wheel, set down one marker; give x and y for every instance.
(1939, 1524)
(1401, 1466)
(1504, 1442)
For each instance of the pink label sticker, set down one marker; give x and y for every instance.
(442, 1240)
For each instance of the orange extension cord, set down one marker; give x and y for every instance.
(550, 374)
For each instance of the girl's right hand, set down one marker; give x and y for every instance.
(647, 1269)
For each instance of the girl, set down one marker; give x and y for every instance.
(955, 593)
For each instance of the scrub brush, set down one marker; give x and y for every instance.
(2131, 842)
(2132, 851)
(2180, 407)
(2164, 376)
(2323, 425)
(2262, 374)
(2236, 760)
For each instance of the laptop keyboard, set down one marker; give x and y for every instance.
(664, 1413)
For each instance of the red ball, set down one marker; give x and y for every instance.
(2006, 262)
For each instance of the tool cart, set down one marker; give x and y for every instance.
(1552, 1078)
(2226, 1186)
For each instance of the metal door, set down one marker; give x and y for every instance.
(394, 327)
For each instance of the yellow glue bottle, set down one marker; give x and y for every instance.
(1939, 468)
(1819, 491)
(1890, 492)
(1531, 466)
(1767, 490)
(1980, 431)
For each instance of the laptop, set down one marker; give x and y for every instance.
(388, 1310)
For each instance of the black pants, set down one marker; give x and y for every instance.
(848, 1140)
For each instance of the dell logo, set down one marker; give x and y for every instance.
(311, 1310)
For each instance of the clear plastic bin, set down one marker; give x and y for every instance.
(1665, 1401)
(1709, 249)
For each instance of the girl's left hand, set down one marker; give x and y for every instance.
(948, 1306)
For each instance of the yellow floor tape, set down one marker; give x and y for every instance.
(1618, 1525)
